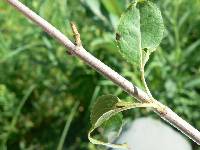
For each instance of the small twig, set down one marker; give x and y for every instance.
(77, 36)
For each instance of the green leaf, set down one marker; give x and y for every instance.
(115, 7)
(151, 25)
(112, 128)
(193, 83)
(103, 113)
(103, 104)
(107, 110)
(140, 28)
(95, 7)
(67, 126)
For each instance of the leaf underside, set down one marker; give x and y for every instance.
(107, 110)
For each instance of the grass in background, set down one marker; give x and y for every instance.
(28, 56)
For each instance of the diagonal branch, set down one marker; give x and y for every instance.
(163, 111)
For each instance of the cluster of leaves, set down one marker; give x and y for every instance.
(30, 58)
(139, 32)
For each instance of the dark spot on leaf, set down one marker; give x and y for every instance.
(145, 49)
(118, 36)
(120, 106)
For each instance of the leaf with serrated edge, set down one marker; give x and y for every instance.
(140, 27)
(128, 35)
(106, 107)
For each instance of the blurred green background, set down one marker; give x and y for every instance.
(41, 86)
